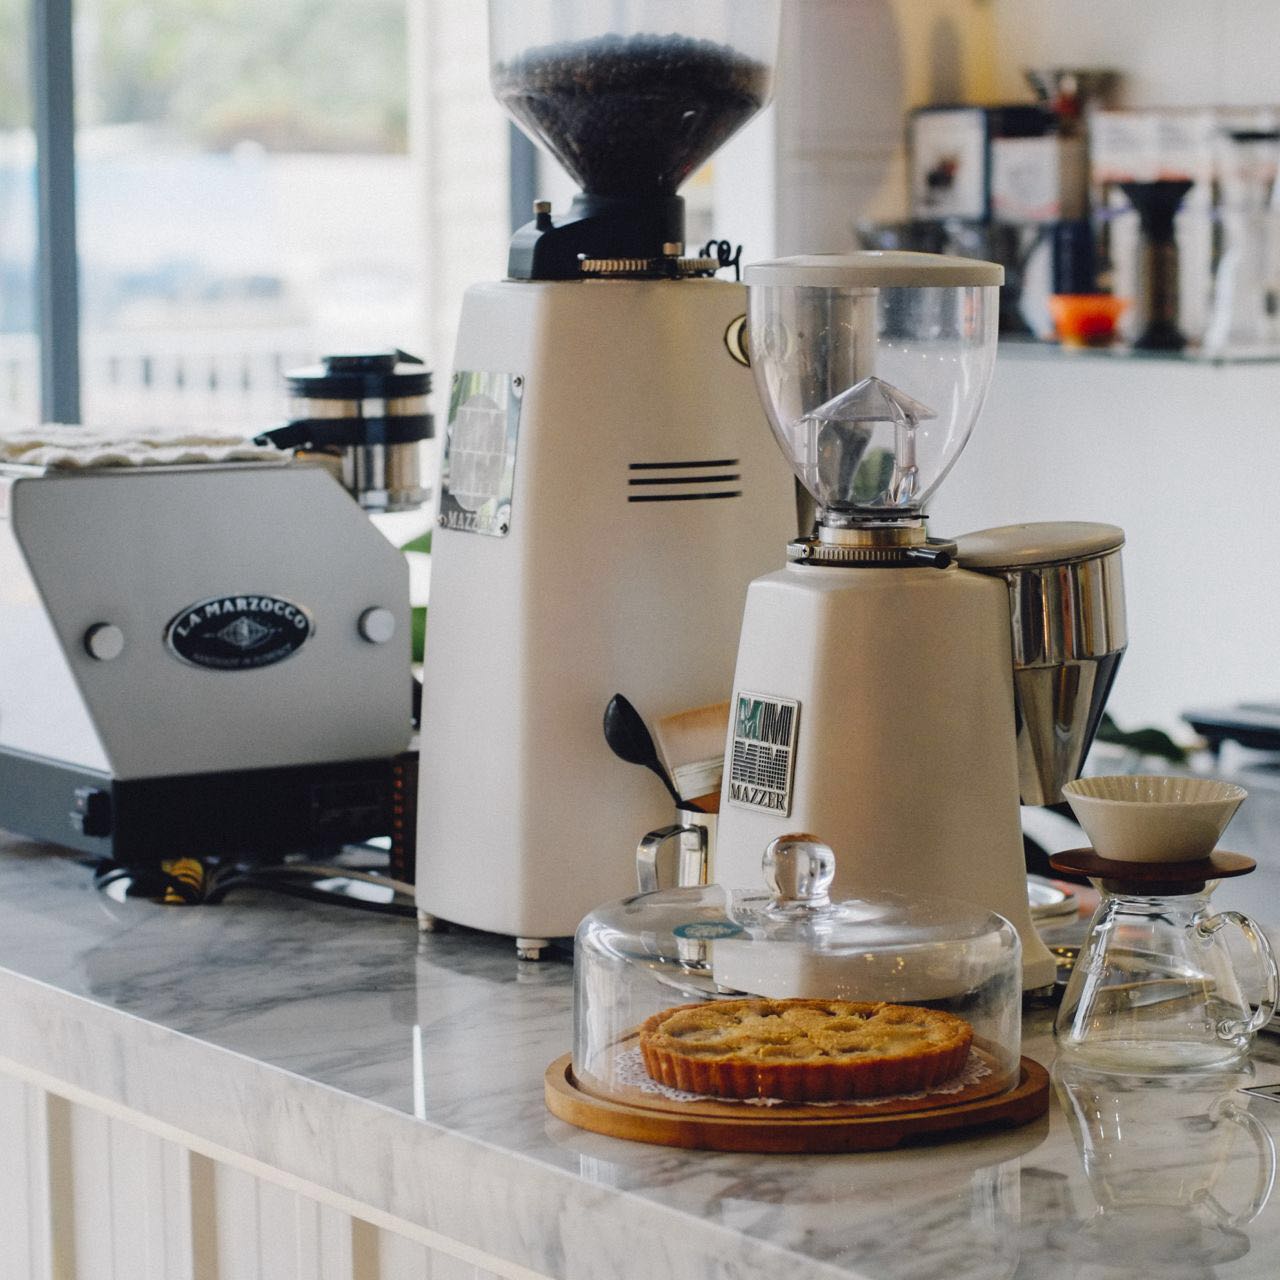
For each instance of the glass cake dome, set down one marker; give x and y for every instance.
(687, 947)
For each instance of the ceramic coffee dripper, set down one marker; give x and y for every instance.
(1155, 987)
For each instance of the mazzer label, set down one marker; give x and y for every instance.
(762, 766)
(238, 632)
(478, 473)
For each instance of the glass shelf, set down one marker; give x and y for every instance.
(1033, 349)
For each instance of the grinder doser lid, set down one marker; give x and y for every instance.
(631, 96)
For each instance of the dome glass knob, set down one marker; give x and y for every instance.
(799, 869)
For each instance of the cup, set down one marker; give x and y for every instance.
(692, 838)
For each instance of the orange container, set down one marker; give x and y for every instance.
(1086, 319)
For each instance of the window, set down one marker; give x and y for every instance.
(255, 186)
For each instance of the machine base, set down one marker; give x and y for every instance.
(255, 814)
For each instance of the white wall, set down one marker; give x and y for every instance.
(829, 152)
(1172, 52)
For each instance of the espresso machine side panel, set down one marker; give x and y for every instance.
(647, 493)
(141, 550)
(903, 751)
(42, 711)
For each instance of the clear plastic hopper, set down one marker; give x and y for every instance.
(873, 367)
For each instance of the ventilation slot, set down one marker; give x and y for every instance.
(700, 481)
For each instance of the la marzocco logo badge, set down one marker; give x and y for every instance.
(238, 633)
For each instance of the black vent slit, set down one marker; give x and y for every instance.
(696, 480)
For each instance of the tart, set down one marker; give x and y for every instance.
(803, 1050)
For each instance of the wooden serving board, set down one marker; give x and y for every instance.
(710, 1125)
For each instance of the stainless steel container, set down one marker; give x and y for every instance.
(366, 417)
(1066, 608)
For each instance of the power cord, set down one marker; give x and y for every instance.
(193, 881)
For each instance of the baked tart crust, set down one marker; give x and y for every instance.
(803, 1050)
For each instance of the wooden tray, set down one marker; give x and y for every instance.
(709, 1125)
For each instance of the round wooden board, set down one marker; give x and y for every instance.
(1220, 865)
(706, 1126)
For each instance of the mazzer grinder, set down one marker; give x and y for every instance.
(882, 698)
(607, 489)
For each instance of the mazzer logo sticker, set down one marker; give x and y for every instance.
(238, 633)
(478, 473)
(762, 767)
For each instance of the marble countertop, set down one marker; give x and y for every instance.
(405, 1072)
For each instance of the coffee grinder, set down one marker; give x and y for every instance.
(882, 698)
(607, 488)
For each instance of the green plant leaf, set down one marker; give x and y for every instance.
(1147, 742)
(418, 632)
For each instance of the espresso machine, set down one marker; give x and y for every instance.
(607, 487)
(897, 694)
(203, 653)
(204, 642)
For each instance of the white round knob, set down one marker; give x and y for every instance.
(104, 641)
(377, 626)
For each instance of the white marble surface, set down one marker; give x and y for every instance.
(406, 1074)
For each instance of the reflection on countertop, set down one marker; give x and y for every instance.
(405, 1073)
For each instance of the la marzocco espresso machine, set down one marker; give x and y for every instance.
(608, 488)
(204, 645)
(896, 694)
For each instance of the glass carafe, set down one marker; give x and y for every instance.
(1155, 987)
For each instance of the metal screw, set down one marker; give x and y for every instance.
(504, 529)
(440, 520)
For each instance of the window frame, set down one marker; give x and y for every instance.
(57, 271)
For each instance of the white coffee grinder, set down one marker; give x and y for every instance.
(608, 490)
(882, 698)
